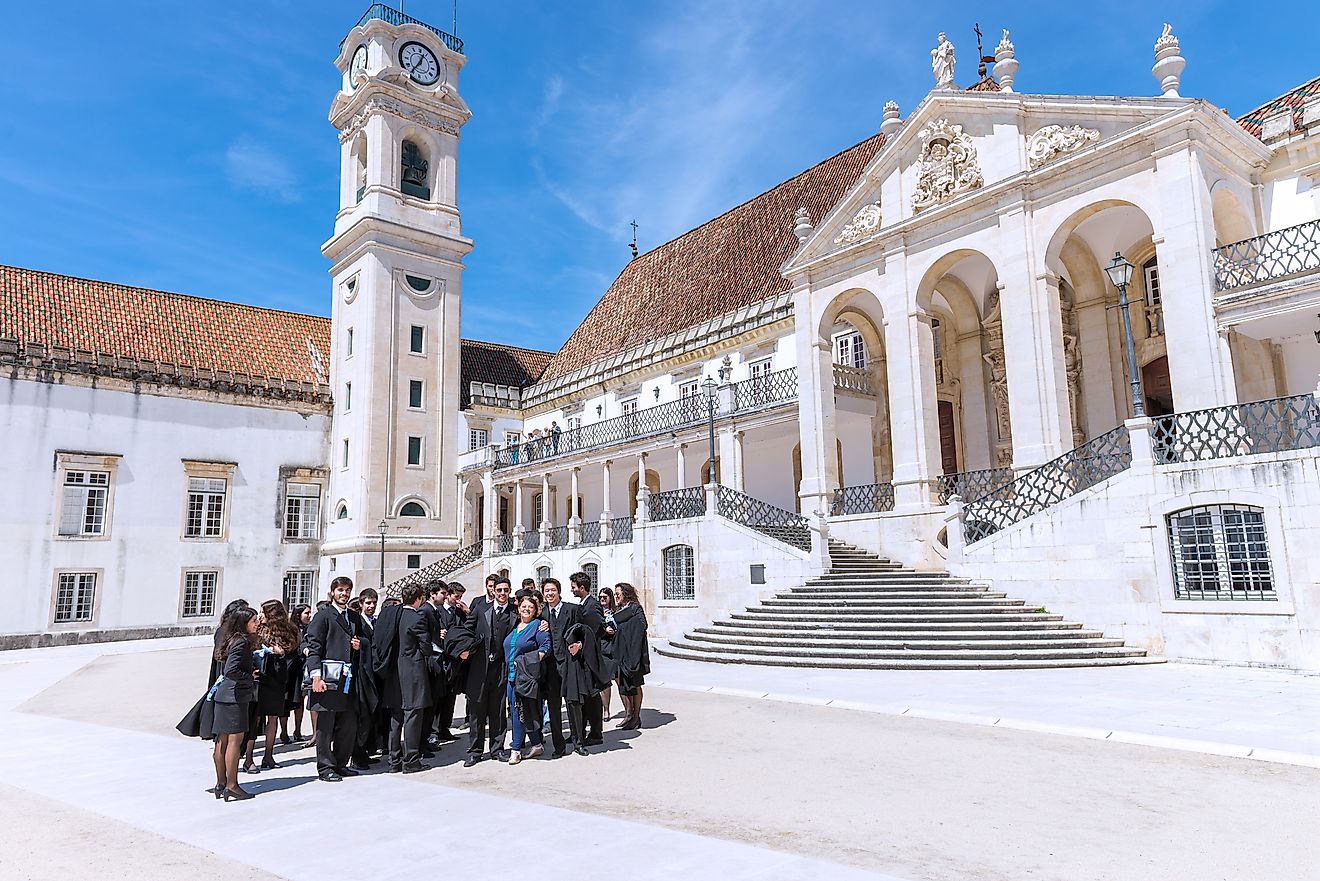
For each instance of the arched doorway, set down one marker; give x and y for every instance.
(1157, 387)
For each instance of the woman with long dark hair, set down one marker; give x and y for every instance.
(610, 631)
(214, 673)
(279, 639)
(523, 689)
(233, 699)
(631, 652)
(301, 616)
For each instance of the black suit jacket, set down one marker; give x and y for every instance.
(585, 673)
(239, 685)
(485, 632)
(569, 614)
(415, 660)
(329, 638)
(435, 622)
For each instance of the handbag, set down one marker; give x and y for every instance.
(337, 675)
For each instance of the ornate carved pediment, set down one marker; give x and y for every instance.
(1053, 141)
(864, 223)
(396, 108)
(947, 166)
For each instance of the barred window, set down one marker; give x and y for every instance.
(542, 573)
(83, 507)
(1220, 552)
(299, 587)
(75, 597)
(593, 572)
(199, 594)
(680, 573)
(206, 507)
(302, 510)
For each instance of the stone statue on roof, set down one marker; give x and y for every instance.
(941, 63)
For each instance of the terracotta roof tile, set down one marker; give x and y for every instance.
(722, 265)
(115, 319)
(984, 84)
(1295, 99)
(500, 365)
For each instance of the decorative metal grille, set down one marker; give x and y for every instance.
(971, 485)
(1220, 552)
(680, 573)
(1274, 255)
(393, 16)
(853, 379)
(438, 570)
(781, 525)
(531, 540)
(1095, 461)
(869, 499)
(590, 534)
(765, 390)
(621, 529)
(504, 544)
(558, 536)
(75, 598)
(678, 503)
(1237, 430)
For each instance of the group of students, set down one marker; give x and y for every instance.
(388, 683)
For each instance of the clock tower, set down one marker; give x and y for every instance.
(396, 261)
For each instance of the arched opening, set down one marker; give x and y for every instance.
(797, 468)
(1232, 223)
(412, 509)
(569, 512)
(705, 471)
(652, 484)
(414, 171)
(359, 166)
(341, 513)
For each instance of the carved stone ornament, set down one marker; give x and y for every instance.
(864, 223)
(395, 108)
(1053, 141)
(947, 167)
(941, 62)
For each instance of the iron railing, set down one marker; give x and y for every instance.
(778, 523)
(871, 498)
(853, 379)
(558, 536)
(437, 570)
(504, 544)
(765, 390)
(971, 485)
(677, 503)
(389, 15)
(589, 533)
(1095, 461)
(1271, 426)
(1274, 255)
(621, 529)
(531, 540)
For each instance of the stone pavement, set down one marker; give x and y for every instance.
(1243, 712)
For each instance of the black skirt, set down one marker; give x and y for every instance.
(232, 718)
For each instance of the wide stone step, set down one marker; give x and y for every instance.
(1041, 623)
(861, 594)
(904, 663)
(970, 642)
(855, 601)
(887, 577)
(916, 615)
(941, 653)
(935, 607)
(726, 630)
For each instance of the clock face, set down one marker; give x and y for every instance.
(420, 63)
(359, 64)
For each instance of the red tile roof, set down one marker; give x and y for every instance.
(132, 322)
(722, 265)
(1295, 99)
(500, 365)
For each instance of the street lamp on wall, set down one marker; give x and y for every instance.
(382, 528)
(1120, 273)
(709, 386)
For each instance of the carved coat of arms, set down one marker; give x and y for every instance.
(866, 222)
(947, 167)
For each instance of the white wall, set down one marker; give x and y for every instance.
(142, 559)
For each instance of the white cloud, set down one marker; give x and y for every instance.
(255, 166)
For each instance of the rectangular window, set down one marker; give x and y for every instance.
(75, 597)
(689, 394)
(300, 586)
(1152, 273)
(759, 369)
(512, 438)
(414, 561)
(417, 339)
(83, 508)
(629, 407)
(206, 507)
(680, 573)
(348, 396)
(574, 423)
(414, 451)
(478, 438)
(344, 464)
(199, 594)
(415, 394)
(302, 510)
(348, 343)
(849, 351)
(1220, 552)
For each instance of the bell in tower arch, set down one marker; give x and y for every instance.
(414, 167)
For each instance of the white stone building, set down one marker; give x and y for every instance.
(913, 348)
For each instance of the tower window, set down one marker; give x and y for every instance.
(348, 396)
(414, 561)
(415, 394)
(345, 461)
(413, 171)
(348, 343)
(416, 339)
(414, 451)
(412, 509)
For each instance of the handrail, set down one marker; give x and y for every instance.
(1270, 426)
(871, 498)
(390, 15)
(437, 570)
(621, 530)
(1267, 257)
(971, 485)
(676, 504)
(778, 523)
(853, 379)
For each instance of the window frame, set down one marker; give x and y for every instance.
(69, 462)
(1215, 561)
(290, 497)
(348, 397)
(184, 574)
(483, 433)
(348, 342)
(678, 562)
(420, 506)
(417, 442)
(311, 590)
(418, 385)
(201, 470)
(417, 331)
(98, 589)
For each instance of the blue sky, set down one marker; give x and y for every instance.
(184, 146)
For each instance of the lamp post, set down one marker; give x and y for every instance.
(381, 528)
(709, 386)
(1120, 273)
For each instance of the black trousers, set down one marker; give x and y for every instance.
(488, 714)
(367, 733)
(577, 728)
(444, 715)
(593, 708)
(554, 696)
(336, 735)
(406, 736)
(434, 722)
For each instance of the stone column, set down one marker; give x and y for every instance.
(682, 466)
(915, 437)
(489, 496)
(517, 515)
(606, 533)
(547, 516)
(729, 449)
(816, 415)
(643, 494)
(574, 521)
(1200, 366)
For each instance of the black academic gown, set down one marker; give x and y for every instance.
(329, 638)
(485, 634)
(584, 674)
(415, 663)
(632, 653)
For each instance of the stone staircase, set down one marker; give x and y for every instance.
(874, 614)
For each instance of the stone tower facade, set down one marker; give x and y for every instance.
(396, 260)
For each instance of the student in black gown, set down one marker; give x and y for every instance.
(560, 615)
(280, 639)
(607, 664)
(452, 615)
(336, 634)
(233, 699)
(406, 664)
(584, 674)
(301, 617)
(433, 600)
(481, 644)
(631, 652)
(216, 666)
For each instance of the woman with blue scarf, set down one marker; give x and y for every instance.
(525, 648)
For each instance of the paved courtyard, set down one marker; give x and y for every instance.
(740, 773)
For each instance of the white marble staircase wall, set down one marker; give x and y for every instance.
(909, 538)
(723, 555)
(1103, 558)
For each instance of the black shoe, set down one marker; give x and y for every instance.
(582, 751)
(268, 765)
(499, 755)
(446, 737)
(347, 772)
(240, 795)
(594, 741)
(250, 769)
(428, 754)
(417, 768)
(472, 759)
(218, 791)
(358, 765)
(330, 776)
(432, 743)
(393, 769)
(559, 754)
(286, 739)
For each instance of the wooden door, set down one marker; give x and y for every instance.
(948, 438)
(1157, 387)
